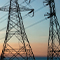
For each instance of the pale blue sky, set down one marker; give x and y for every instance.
(39, 32)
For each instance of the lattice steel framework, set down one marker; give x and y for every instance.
(15, 28)
(54, 33)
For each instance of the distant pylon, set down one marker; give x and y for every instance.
(54, 33)
(16, 32)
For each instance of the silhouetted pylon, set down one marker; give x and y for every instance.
(54, 33)
(15, 33)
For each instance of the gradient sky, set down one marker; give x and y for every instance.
(38, 34)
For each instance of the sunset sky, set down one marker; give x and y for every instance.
(37, 34)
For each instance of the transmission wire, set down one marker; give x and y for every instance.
(2, 29)
(26, 14)
(6, 14)
(35, 12)
(3, 16)
(3, 20)
(34, 23)
(6, 3)
(30, 25)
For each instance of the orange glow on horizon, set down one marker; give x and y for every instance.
(39, 49)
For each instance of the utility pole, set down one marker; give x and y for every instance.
(54, 33)
(15, 28)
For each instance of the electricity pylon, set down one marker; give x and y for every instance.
(16, 32)
(54, 33)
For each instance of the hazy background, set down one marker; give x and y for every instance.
(37, 34)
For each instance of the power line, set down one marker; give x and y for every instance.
(40, 8)
(30, 3)
(24, 15)
(19, 4)
(24, 18)
(6, 14)
(32, 24)
(5, 3)
(3, 16)
(2, 28)
(35, 11)
(29, 25)
(25, 1)
(36, 23)
(27, 14)
(3, 20)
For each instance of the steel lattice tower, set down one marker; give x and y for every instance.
(15, 28)
(54, 33)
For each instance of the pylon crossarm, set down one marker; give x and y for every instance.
(22, 9)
